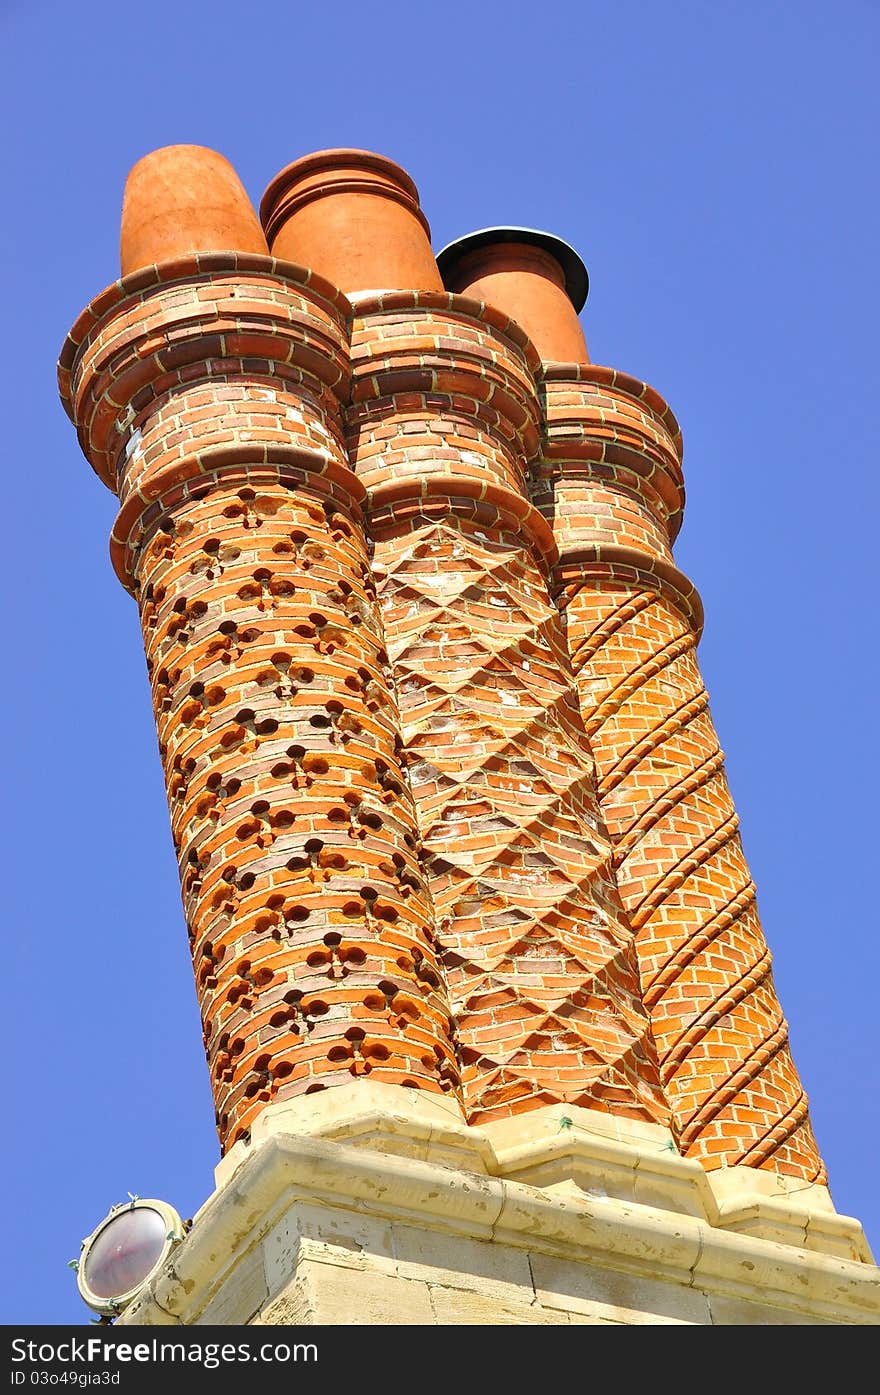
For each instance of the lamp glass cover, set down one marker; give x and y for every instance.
(122, 1255)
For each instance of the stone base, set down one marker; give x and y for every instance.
(376, 1205)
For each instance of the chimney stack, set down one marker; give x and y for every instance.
(483, 987)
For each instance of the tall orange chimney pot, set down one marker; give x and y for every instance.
(353, 216)
(537, 279)
(183, 199)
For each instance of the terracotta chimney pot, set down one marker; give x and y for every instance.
(535, 278)
(183, 199)
(354, 217)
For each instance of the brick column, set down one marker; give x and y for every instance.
(536, 948)
(206, 392)
(612, 486)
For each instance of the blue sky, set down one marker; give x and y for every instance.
(715, 165)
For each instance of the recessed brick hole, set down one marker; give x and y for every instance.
(427, 975)
(314, 765)
(406, 1009)
(206, 977)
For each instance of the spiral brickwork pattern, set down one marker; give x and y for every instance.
(612, 485)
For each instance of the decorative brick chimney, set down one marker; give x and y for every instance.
(610, 482)
(486, 1002)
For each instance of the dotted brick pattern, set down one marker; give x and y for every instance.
(535, 945)
(633, 624)
(239, 532)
